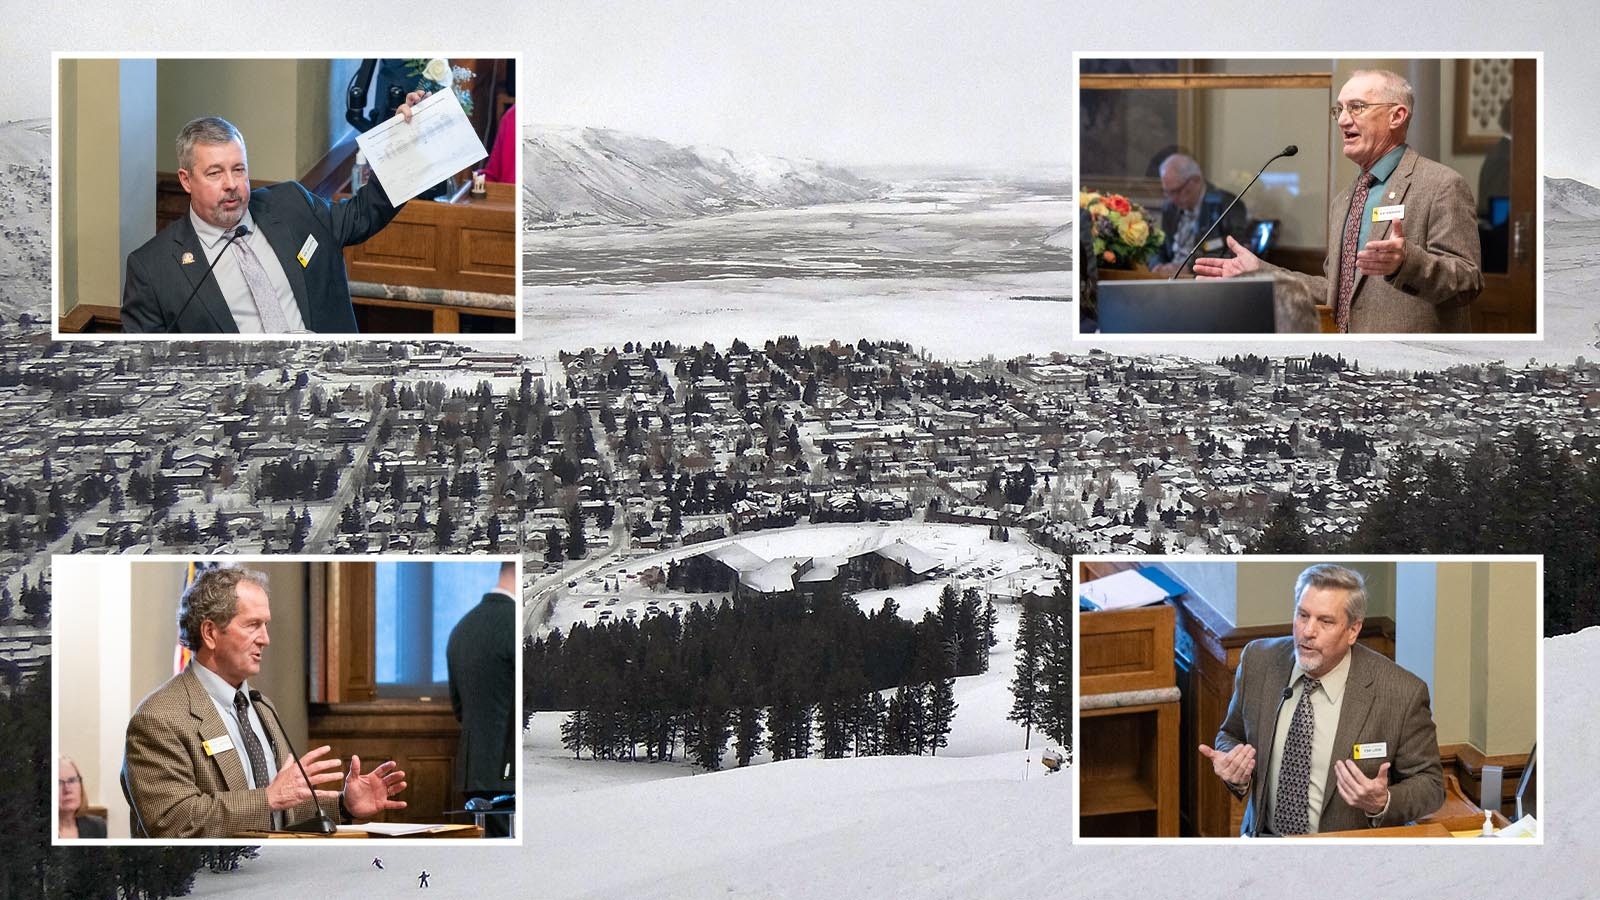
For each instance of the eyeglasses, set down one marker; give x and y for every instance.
(69, 782)
(1355, 108)
(1173, 192)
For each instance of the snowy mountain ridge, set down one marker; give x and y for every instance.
(577, 175)
(1570, 199)
(24, 217)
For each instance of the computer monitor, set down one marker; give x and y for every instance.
(1187, 306)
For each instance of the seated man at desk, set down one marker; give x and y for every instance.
(1192, 206)
(268, 261)
(1324, 734)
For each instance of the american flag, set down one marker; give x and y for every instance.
(181, 654)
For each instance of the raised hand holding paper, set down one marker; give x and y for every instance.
(409, 158)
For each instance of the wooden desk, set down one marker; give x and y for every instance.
(465, 246)
(439, 831)
(1128, 754)
(1430, 827)
(1427, 830)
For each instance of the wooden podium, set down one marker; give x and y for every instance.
(445, 253)
(435, 832)
(1128, 724)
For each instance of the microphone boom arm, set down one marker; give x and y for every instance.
(1290, 150)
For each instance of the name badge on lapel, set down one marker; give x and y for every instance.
(306, 249)
(1388, 213)
(1378, 750)
(218, 745)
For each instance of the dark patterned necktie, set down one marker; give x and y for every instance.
(1347, 251)
(252, 744)
(1290, 811)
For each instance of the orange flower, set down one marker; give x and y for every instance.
(1119, 203)
(1108, 256)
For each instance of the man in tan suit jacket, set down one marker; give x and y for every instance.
(1377, 760)
(1415, 273)
(188, 772)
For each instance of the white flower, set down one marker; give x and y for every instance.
(437, 71)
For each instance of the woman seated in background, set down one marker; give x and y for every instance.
(70, 823)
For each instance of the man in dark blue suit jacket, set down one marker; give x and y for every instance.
(298, 239)
(481, 656)
(1193, 204)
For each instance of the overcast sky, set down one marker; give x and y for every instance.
(849, 83)
(897, 81)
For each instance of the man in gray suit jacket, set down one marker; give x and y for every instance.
(201, 761)
(1417, 268)
(1324, 734)
(278, 251)
(482, 663)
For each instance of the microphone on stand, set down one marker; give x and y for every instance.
(239, 231)
(1258, 798)
(1290, 150)
(321, 824)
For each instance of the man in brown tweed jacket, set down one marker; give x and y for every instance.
(1416, 270)
(201, 761)
(1373, 757)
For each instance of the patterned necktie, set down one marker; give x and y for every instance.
(1290, 811)
(1188, 228)
(252, 744)
(273, 320)
(1347, 252)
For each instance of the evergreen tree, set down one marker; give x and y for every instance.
(1025, 700)
(869, 733)
(444, 528)
(708, 728)
(577, 547)
(1284, 532)
(746, 733)
(1055, 665)
(1388, 525)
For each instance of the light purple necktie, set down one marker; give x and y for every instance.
(273, 320)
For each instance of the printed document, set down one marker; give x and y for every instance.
(409, 158)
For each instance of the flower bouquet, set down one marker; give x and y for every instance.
(441, 75)
(1124, 236)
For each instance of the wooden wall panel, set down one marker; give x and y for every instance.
(469, 245)
(420, 735)
(349, 653)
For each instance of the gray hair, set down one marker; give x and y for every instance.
(204, 130)
(1328, 575)
(213, 596)
(1182, 165)
(1392, 86)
